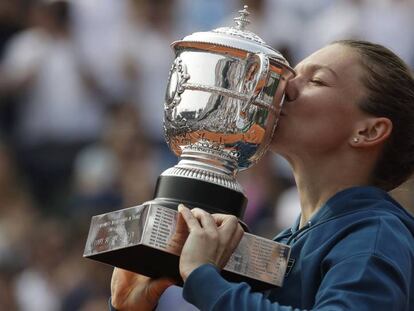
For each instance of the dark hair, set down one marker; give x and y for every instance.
(390, 86)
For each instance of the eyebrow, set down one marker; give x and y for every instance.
(316, 67)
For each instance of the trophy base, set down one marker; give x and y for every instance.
(144, 260)
(143, 239)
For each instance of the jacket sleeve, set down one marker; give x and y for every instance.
(364, 282)
(207, 290)
(361, 282)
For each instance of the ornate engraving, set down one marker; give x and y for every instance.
(205, 175)
(211, 148)
(177, 78)
(245, 34)
(242, 21)
(239, 30)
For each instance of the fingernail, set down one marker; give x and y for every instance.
(181, 207)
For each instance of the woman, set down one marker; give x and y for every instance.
(347, 129)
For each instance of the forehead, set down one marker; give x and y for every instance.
(341, 59)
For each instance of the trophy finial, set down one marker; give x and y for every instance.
(242, 20)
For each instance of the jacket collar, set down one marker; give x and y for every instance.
(349, 200)
(344, 202)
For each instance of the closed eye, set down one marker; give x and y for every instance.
(318, 82)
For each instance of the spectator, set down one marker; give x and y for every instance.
(59, 112)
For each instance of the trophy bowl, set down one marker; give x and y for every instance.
(226, 101)
(224, 94)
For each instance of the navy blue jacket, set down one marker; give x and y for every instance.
(356, 253)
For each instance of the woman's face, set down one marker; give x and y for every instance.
(320, 113)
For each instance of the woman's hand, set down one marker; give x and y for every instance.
(212, 239)
(131, 291)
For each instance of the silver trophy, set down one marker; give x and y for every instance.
(224, 95)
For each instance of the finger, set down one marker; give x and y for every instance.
(227, 233)
(221, 219)
(237, 236)
(180, 234)
(229, 224)
(181, 226)
(206, 220)
(231, 245)
(189, 218)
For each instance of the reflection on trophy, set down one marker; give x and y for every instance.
(224, 94)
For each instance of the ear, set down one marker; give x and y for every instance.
(371, 132)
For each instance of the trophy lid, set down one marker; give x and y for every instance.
(234, 37)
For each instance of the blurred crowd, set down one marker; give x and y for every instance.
(82, 84)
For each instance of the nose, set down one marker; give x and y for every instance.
(291, 91)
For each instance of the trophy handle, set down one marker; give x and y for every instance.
(255, 77)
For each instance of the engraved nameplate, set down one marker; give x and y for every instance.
(154, 227)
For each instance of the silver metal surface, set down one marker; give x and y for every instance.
(224, 95)
(235, 38)
(155, 226)
(116, 230)
(222, 104)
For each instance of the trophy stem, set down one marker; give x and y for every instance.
(207, 165)
(203, 155)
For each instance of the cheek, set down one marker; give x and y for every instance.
(332, 127)
(320, 124)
